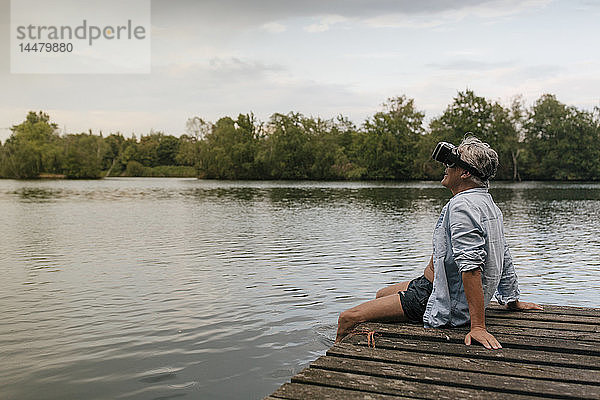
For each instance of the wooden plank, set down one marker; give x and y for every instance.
(375, 384)
(413, 330)
(298, 391)
(457, 378)
(460, 362)
(543, 316)
(549, 354)
(551, 309)
(507, 340)
(549, 325)
(519, 330)
(541, 332)
(479, 352)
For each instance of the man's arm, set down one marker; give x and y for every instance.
(474, 292)
(429, 272)
(468, 250)
(508, 287)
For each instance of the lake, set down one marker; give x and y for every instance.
(133, 288)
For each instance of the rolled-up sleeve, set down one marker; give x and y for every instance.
(467, 237)
(508, 288)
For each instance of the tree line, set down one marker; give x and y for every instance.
(547, 141)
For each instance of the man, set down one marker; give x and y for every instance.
(470, 260)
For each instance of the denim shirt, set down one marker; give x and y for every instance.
(469, 234)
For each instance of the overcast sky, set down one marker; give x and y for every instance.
(322, 58)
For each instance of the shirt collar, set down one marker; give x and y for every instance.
(472, 190)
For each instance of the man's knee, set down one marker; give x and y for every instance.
(349, 317)
(393, 289)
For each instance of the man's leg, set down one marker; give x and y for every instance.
(387, 308)
(392, 289)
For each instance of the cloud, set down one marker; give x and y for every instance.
(437, 16)
(214, 58)
(587, 5)
(578, 87)
(174, 86)
(381, 55)
(164, 100)
(274, 27)
(238, 14)
(234, 68)
(325, 23)
(532, 73)
(469, 65)
(264, 11)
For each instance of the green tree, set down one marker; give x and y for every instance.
(130, 152)
(189, 143)
(487, 120)
(229, 150)
(388, 145)
(188, 152)
(32, 148)
(135, 168)
(331, 145)
(166, 152)
(561, 141)
(286, 151)
(148, 149)
(113, 145)
(83, 156)
(515, 143)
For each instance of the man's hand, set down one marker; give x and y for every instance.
(474, 292)
(484, 337)
(523, 305)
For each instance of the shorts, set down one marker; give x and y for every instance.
(414, 299)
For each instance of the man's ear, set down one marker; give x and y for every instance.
(466, 174)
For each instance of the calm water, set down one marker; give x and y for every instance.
(180, 288)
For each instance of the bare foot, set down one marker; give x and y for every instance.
(344, 327)
(388, 308)
(340, 336)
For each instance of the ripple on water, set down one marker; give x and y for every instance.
(148, 289)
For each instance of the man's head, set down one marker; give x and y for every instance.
(469, 165)
(481, 156)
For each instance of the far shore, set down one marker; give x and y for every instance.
(49, 176)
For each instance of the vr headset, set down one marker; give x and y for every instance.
(447, 154)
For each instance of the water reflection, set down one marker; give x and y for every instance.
(37, 194)
(159, 288)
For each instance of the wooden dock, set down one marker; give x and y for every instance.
(553, 353)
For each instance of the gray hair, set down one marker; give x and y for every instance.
(481, 156)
